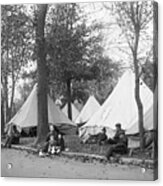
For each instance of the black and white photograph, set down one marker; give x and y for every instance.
(79, 90)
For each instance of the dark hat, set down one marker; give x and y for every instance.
(104, 129)
(118, 125)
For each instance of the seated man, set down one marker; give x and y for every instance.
(52, 143)
(61, 142)
(51, 139)
(99, 138)
(102, 137)
(56, 146)
(13, 136)
(119, 131)
(120, 147)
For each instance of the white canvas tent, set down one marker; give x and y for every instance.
(148, 122)
(75, 112)
(88, 110)
(121, 107)
(27, 115)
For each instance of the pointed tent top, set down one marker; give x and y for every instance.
(121, 107)
(88, 110)
(27, 115)
(75, 111)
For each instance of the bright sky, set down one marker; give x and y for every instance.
(115, 45)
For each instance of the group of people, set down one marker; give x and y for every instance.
(54, 142)
(117, 144)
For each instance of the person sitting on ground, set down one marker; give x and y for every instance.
(52, 145)
(61, 142)
(115, 139)
(51, 139)
(120, 147)
(13, 136)
(56, 146)
(99, 138)
(102, 137)
(53, 131)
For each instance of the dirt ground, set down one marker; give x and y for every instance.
(25, 164)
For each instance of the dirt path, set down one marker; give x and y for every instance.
(29, 165)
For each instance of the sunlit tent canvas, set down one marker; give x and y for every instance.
(75, 111)
(88, 110)
(121, 107)
(27, 115)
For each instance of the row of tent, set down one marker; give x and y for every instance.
(119, 107)
(86, 113)
(27, 116)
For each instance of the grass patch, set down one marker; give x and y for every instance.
(73, 143)
(27, 141)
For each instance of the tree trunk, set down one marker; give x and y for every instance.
(10, 112)
(42, 128)
(137, 90)
(6, 99)
(69, 99)
(2, 118)
(140, 110)
(6, 77)
(13, 87)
